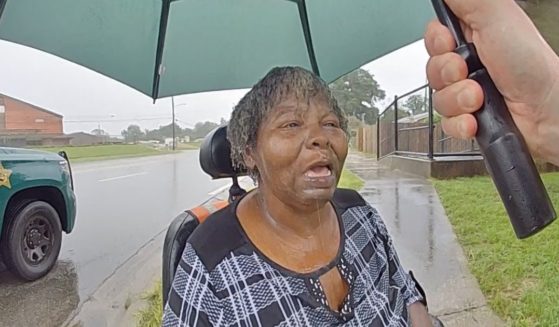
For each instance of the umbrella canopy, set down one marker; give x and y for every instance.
(171, 47)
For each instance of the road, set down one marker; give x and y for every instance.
(122, 205)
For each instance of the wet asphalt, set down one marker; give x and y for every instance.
(122, 205)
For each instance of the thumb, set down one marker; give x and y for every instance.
(479, 12)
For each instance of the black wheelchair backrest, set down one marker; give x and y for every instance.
(215, 160)
(215, 155)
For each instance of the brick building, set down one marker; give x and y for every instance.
(23, 124)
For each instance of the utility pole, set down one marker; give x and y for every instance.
(99, 134)
(174, 138)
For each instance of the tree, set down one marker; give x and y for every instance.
(99, 132)
(101, 135)
(202, 129)
(416, 104)
(133, 134)
(358, 94)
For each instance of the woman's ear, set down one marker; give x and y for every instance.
(249, 158)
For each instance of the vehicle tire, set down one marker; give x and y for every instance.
(31, 239)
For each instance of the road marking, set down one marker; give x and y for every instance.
(89, 167)
(221, 189)
(121, 177)
(242, 180)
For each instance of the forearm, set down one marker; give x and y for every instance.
(419, 316)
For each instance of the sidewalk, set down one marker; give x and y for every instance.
(425, 242)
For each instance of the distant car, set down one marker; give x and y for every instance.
(37, 203)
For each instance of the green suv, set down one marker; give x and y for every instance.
(37, 203)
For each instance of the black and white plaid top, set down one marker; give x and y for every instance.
(223, 280)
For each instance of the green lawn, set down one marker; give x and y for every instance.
(102, 152)
(544, 14)
(152, 314)
(350, 180)
(520, 278)
(188, 146)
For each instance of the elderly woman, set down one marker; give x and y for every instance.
(295, 251)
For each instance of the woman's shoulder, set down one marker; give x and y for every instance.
(346, 198)
(218, 236)
(355, 210)
(349, 202)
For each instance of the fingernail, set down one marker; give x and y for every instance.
(448, 74)
(466, 99)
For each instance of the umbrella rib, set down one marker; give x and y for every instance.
(303, 15)
(2, 6)
(160, 45)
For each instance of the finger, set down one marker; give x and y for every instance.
(462, 127)
(459, 98)
(446, 69)
(438, 39)
(478, 13)
(467, 10)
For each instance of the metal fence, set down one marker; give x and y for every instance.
(409, 126)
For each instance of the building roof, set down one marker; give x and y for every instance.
(81, 133)
(31, 105)
(35, 136)
(414, 118)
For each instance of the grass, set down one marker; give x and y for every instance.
(350, 180)
(544, 14)
(188, 146)
(103, 152)
(152, 314)
(520, 278)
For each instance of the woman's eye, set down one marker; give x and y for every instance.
(291, 125)
(331, 124)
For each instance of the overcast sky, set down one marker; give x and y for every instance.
(87, 99)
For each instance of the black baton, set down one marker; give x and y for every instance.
(506, 154)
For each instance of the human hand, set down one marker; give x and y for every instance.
(523, 66)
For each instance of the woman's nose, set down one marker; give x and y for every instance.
(317, 138)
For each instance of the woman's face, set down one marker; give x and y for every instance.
(300, 151)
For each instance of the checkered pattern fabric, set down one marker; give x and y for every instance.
(239, 287)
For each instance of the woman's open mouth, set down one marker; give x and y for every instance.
(320, 176)
(319, 171)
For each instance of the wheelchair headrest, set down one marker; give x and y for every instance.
(215, 155)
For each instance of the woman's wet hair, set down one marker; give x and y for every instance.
(279, 84)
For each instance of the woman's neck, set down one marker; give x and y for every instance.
(300, 240)
(292, 220)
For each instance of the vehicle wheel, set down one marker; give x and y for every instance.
(31, 239)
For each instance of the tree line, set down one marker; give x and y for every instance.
(358, 94)
(135, 134)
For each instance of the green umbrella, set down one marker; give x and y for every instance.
(170, 47)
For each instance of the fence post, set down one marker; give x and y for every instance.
(443, 136)
(395, 123)
(431, 138)
(378, 137)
